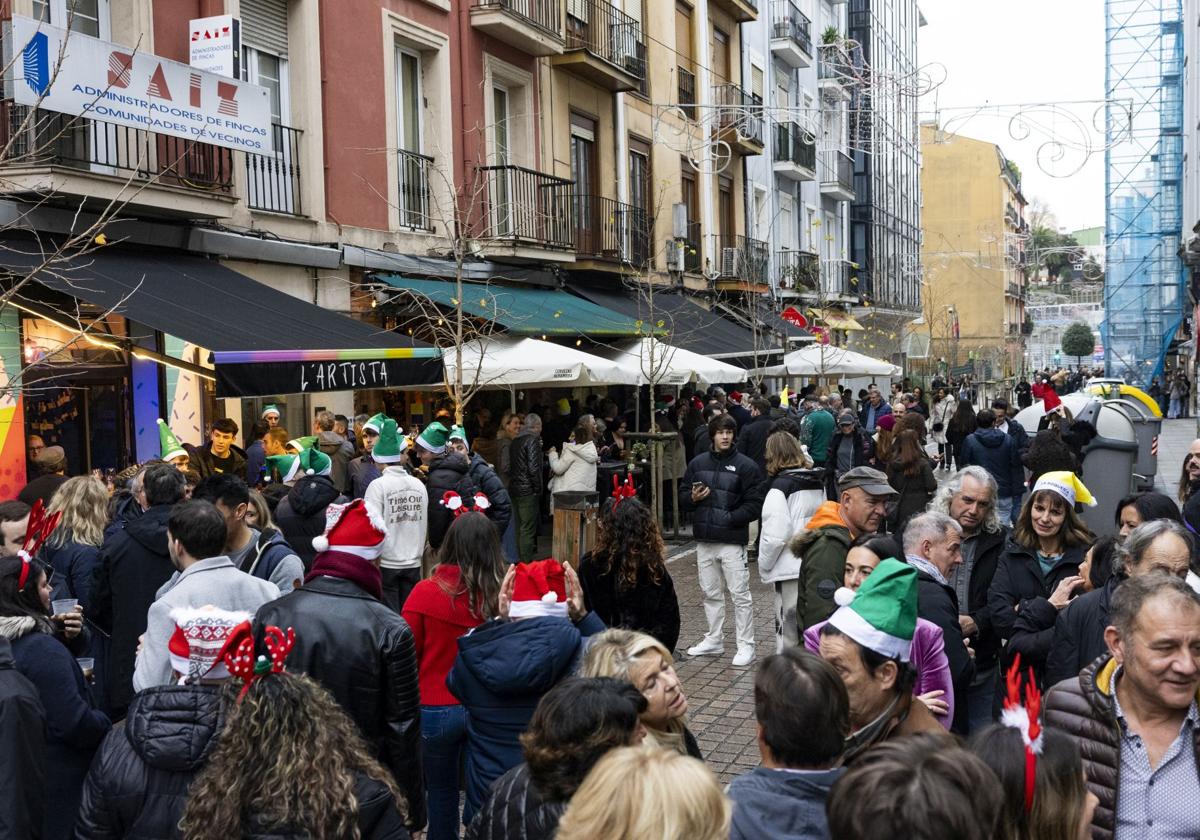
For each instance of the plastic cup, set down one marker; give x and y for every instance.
(62, 606)
(86, 664)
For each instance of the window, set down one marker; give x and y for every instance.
(640, 179)
(91, 17)
(499, 182)
(683, 35)
(583, 171)
(725, 221)
(756, 81)
(272, 179)
(414, 180)
(720, 56)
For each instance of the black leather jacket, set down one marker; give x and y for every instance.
(516, 810)
(525, 478)
(363, 653)
(737, 487)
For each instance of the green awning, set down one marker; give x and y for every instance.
(523, 310)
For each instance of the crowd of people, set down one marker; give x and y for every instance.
(350, 634)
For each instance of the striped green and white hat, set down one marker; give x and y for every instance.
(882, 615)
(390, 447)
(374, 424)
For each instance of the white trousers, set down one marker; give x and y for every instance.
(787, 631)
(721, 560)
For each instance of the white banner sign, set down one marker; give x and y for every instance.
(77, 74)
(215, 44)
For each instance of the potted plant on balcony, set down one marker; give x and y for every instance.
(831, 35)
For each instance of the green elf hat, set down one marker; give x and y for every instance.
(882, 615)
(288, 466)
(375, 424)
(390, 447)
(270, 409)
(302, 443)
(314, 462)
(459, 433)
(433, 438)
(168, 444)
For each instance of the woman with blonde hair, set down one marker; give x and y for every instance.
(74, 546)
(795, 494)
(645, 662)
(639, 794)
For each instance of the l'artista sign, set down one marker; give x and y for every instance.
(342, 376)
(76, 74)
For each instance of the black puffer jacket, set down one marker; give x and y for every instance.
(301, 513)
(752, 439)
(133, 564)
(363, 653)
(938, 604)
(526, 459)
(1079, 633)
(489, 482)
(737, 489)
(448, 472)
(1019, 602)
(138, 784)
(516, 810)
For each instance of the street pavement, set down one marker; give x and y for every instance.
(721, 697)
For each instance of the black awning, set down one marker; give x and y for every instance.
(689, 325)
(264, 341)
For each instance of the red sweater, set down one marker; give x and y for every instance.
(437, 621)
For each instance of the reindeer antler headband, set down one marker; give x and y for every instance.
(241, 662)
(621, 492)
(41, 524)
(1026, 719)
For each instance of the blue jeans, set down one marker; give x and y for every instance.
(443, 742)
(1016, 508)
(1004, 510)
(980, 698)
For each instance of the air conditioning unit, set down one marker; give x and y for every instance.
(732, 260)
(674, 251)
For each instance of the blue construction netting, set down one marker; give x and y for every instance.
(1144, 291)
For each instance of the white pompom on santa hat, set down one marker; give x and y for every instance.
(353, 529)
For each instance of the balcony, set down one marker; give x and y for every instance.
(610, 235)
(687, 93)
(837, 175)
(835, 77)
(740, 10)
(55, 155)
(412, 170)
(796, 272)
(532, 26)
(841, 281)
(523, 213)
(273, 181)
(739, 119)
(742, 264)
(1014, 290)
(1011, 215)
(791, 42)
(604, 46)
(795, 153)
(693, 249)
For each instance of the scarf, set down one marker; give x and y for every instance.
(337, 564)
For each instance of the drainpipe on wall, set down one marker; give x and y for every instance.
(622, 150)
(705, 176)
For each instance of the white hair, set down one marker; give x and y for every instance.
(931, 525)
(941, 501)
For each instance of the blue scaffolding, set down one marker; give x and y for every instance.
(1144, 291)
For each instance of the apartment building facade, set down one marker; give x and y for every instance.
(973, 253)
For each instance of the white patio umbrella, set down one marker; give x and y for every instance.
(824, 360)
(666, 364)
(512, 361)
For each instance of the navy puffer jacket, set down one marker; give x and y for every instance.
(516, 810)
(737, 488)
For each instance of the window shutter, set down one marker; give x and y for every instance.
(264, 25)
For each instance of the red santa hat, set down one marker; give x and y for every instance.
(201, 637)
(353, 528)
(540, 589)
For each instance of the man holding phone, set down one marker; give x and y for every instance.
(727, 490)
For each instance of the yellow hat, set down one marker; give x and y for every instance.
(1066, 484)
(783, 396)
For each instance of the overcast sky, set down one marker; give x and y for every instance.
(1024, 52)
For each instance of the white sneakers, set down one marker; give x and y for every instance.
(744, 657)
(705, 648)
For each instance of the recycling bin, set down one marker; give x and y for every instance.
(1147, 428)
(1108, 461)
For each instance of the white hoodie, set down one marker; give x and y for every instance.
(400, 502)
(782, 517)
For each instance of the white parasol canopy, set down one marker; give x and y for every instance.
(824, 360)
(512, 361)
(666, 364)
